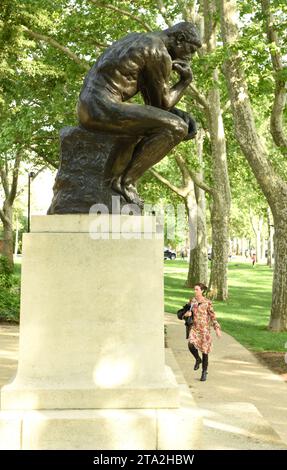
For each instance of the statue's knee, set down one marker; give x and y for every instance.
(83, 114)
(175, 132)
(180, 130)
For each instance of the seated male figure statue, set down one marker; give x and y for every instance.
(140, 62)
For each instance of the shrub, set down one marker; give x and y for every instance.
(9, 292)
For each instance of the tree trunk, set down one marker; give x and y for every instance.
(279, 102)
(270, 238)
(278, 318)
(220, 250)
(6, 212)
(8, 233)
(198, 262)
(259, 240)
(237, 250)
(263, 247)
(16, 237)
(221, 204)
(195, 208)
(222, 198)
(257, 223)
(243, 247)
(272, 185)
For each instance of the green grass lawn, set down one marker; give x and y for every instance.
(245, 315)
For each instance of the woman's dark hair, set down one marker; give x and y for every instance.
(202, 286)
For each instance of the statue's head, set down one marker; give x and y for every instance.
(183, 40)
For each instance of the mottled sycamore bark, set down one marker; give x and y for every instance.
(196, 207)
(6, 212)
(221, 189)
(252, 146)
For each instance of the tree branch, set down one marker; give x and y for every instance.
(101, 45)
(4, 180)
(50, 162)
(226, 107)
(57, 45)
(122, 12)
(246, 134)
(35, 176)
(6, 166)
(167, 183)
(190, 175)
(182, 166)
(2, 216)
(163, 12)
(276, 118)
(13, 189)
(199, 97)
(44, 157)
(197, 179)
(188, 10)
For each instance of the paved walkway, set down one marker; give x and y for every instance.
(9, 338)
(243, 403)
(240, 396)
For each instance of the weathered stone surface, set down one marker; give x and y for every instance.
(85, 171)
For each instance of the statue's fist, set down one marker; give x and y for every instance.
(188, 119)
(183, 69)
(192, 129)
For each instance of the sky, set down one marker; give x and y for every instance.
(42, 192)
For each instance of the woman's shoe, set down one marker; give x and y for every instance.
(203, 376)
(197, 363)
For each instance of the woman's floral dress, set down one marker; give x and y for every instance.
(204, 317)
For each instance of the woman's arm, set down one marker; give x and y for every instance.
(188, 312)
(214, 322)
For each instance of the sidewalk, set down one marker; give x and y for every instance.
(242, 401)
(9, 339)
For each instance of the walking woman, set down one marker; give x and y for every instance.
(199, 337)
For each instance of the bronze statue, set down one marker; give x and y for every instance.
(128, 138)
(140, 62)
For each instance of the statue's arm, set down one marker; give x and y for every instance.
(155, 88)
(178, 90)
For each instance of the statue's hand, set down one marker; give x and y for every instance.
(183, 69)
(189, 120)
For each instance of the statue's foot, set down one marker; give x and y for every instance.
(128, 190)
(131, 194)
(116, 184)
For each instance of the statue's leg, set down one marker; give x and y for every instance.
(130, 120)
(149, 151)
(120, 156)
(158, 130)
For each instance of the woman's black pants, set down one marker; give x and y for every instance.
(195, 354)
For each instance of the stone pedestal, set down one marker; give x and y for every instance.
(91, 352)
(88, 161)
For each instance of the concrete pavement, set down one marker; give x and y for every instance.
(9, 338)
(244, 404)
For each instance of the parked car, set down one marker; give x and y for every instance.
(169, 254)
